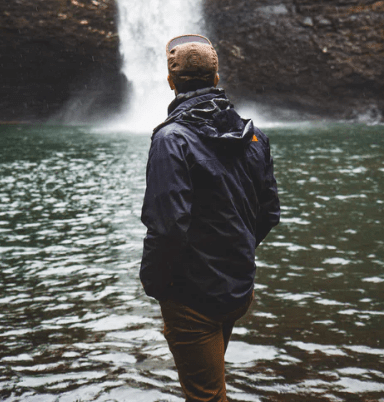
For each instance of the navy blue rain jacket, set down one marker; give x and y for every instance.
(211, 198)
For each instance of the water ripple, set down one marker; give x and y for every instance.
(75, 323)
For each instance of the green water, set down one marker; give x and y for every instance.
(75, 324)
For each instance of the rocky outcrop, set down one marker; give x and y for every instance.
(59, 58)
(318, 57)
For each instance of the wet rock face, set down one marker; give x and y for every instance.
(318, 57)
(59, 56)
(324, 58)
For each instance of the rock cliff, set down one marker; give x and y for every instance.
(318, 58)
(59, 58)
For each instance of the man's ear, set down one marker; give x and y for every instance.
(216, 79)
(170, 82)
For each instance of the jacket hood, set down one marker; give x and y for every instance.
(209, 113)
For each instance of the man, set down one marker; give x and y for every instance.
(211, 198)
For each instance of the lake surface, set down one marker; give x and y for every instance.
(75, 324)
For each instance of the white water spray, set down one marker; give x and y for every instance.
(144, 29)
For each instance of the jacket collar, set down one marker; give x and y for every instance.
(185, 101)
(191, 98)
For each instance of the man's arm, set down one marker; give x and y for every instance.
(166, 212)
(269, 214)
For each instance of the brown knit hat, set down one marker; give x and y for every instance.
(191, 57)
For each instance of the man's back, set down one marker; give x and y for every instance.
(211, 198)
(216, 199)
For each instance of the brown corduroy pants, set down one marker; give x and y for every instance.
(198, 344)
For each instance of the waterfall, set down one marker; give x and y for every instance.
(144, 29)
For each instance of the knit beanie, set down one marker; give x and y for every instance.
(191, 57)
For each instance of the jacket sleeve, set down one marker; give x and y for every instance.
(166, 212)
(269, 214)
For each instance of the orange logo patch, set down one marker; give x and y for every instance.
(254, 138)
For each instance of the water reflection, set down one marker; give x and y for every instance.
(75, 325)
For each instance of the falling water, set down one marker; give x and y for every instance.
(144, 29)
